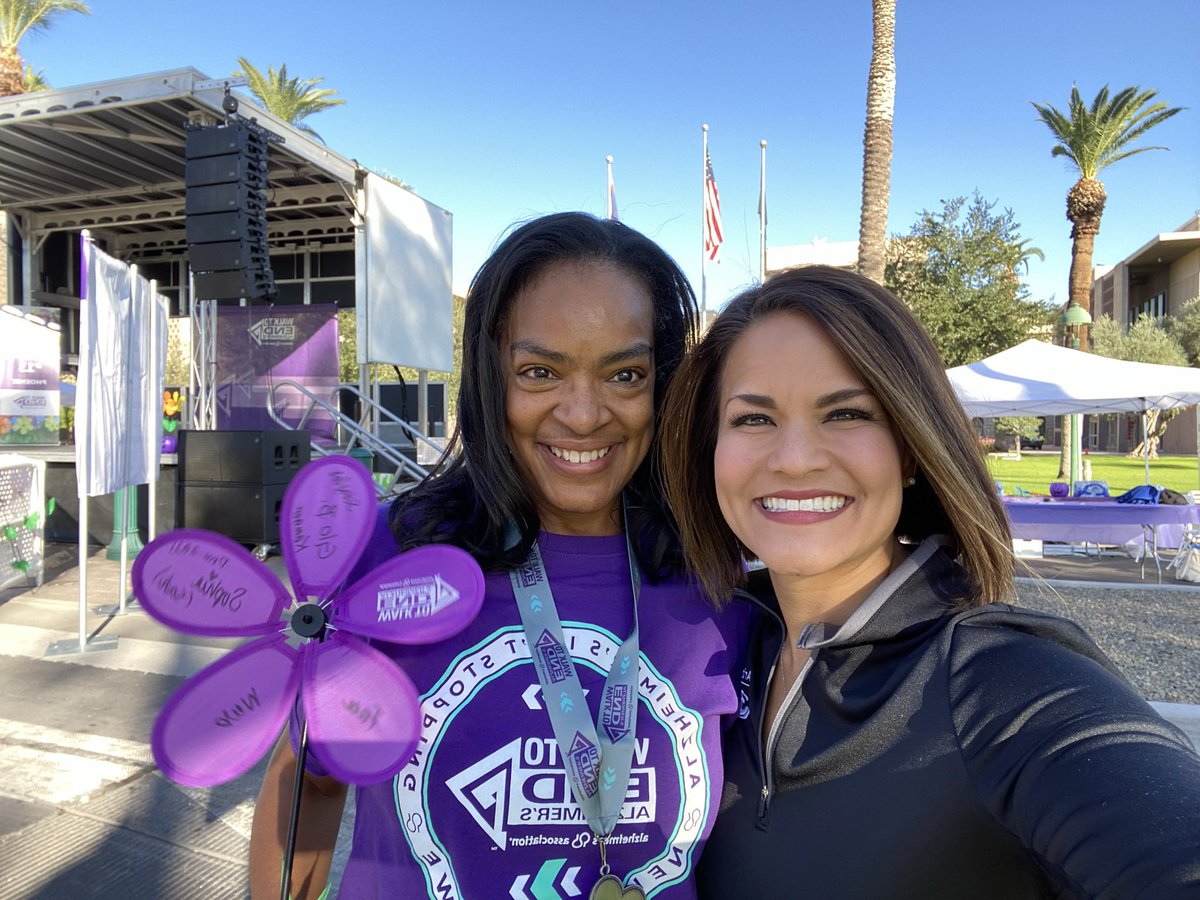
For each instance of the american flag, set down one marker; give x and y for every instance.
(712, 213)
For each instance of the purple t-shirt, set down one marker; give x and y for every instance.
(484, 809)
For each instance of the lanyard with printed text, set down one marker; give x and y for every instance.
(597, 756)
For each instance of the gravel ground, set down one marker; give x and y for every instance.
(1152, 633)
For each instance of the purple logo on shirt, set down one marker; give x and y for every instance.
(414, 598)
(553, 657)
(616, 711)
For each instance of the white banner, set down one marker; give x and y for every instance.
(118, 412)
(405, 294)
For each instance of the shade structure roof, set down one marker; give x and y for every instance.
(109, 157)
(1039, 379)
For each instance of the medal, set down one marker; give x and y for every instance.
(610, 887)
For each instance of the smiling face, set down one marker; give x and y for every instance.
(578, 352)
(808, 469)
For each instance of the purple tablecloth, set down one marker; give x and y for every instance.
(1097, 521)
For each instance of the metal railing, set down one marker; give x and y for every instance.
(357, 434)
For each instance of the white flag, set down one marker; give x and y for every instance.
(119, 395)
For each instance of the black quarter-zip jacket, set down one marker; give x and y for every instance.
(931, 753)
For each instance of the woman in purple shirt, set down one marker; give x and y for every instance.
(569, 743)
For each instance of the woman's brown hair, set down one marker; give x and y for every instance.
(953, 495)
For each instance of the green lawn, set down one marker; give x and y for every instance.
(1035, 470)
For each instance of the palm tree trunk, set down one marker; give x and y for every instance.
(877, 142)
(1085, 207)
(1082, 250)
(12, 72)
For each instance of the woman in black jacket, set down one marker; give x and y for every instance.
(905, 732)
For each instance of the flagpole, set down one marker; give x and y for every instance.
(612, 192)
(762, 212)
(83, 421)
(703, 247)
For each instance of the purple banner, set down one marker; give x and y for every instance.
(258, 346)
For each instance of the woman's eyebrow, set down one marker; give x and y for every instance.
(535, 349)
(639, 350)
(842, 396)
(762, 400)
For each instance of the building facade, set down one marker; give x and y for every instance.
(1156, 280)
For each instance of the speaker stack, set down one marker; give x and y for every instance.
(232, 482)
(225, 211)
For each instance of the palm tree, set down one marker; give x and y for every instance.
(877, 142)
(1019, 255)
(1024, 253)
(17, 19)
(290, 99)
(34, 81)
(1092, 139)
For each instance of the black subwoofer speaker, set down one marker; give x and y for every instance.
(232, 482)
(244, 457)
(247, 513)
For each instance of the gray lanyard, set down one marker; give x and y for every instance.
(597, 757)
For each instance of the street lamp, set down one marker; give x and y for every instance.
(1075, 321)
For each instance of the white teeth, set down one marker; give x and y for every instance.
(809, 504)
(575, 456)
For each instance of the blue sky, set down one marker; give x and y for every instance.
(502, 111)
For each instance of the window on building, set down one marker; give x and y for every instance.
(1155, 307)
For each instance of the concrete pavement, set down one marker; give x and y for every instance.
(84, 812)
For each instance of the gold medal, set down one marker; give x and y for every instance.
(609, 887)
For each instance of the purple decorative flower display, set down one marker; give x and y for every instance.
(362, 711)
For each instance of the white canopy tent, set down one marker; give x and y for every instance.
(1039, 379)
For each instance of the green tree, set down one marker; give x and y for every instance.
(877, 142)
(1092, 138)
(1185, 327)
(1148, 340)
(348, 359)
(289, 99)
(17, 19)
(955, 271)
(1019, 427)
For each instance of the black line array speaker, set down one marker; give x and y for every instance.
(232, 482)
(225, 211)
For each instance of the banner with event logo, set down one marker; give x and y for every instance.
(30, 351)
(259, 347)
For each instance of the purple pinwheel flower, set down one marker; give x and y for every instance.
(362, 710)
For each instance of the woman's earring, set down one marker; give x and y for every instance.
(910, 481)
